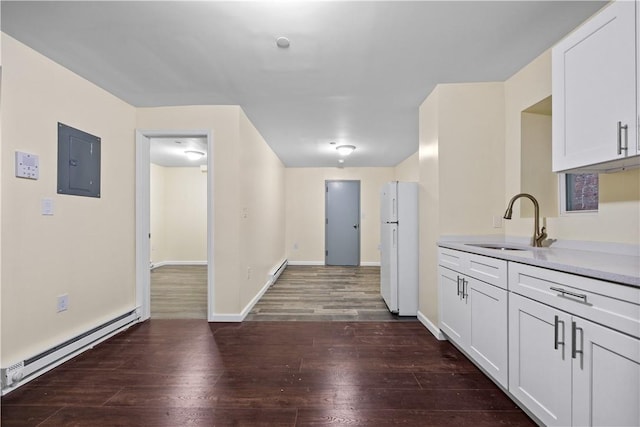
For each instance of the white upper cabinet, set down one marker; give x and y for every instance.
(594, 93)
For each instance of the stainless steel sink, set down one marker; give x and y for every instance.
(500, 246)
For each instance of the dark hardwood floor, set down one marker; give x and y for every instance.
(192, 373)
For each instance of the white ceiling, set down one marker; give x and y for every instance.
(170, 151)
(355, 72)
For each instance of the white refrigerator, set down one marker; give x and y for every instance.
(399, 247)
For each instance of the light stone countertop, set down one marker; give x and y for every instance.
(623, 268)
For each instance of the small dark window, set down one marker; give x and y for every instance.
(78, 162)
(581, 192)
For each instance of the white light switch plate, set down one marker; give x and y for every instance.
(47, 206)
(27, 165)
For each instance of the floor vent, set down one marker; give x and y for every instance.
(28, 369)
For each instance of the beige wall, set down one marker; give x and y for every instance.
(241, 159)
(409, 169)
(536, 176)
(156, 207)
(262, 210)
(471, 155)
(178, 214)
(618, 218)
(429, 204)
(305, 199)
(74, 251)
(461, 171)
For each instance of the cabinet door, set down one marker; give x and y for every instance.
(606, 377)
(594, 87)
(487, 341)
(540, 374)
(454, 315)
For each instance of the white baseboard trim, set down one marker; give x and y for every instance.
(240, 317)
(306, 262)
(362, 264)
(255, 299)
(224, 318)
(163, 263)
(431, 327)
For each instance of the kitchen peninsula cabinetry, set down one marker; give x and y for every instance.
(594, 93)
(565, 369)
(473, 307)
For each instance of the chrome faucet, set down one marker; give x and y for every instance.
(538, 235)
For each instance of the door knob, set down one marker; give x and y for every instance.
(355, 226)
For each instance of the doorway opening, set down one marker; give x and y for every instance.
(174, 186)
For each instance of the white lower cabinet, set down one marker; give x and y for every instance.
(474, 316)
(487, 335)
(606, 377)
(539, 361)
(569, 371)
(454, 312)
(564, 369)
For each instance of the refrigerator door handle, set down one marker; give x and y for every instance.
(394, 238)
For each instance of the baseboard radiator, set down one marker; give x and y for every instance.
(26, 370)
(277, 271)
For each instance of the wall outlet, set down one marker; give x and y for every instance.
(295, 246)
(63, 303)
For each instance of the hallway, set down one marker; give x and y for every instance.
(324, 293)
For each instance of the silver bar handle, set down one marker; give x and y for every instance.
(458, 287)
(465, 282)
(574, 349)
(626, 145)
(573, 294)
(556, 325)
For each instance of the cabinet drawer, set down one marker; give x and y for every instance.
(451, 259)
(609, 304)
(489, 270)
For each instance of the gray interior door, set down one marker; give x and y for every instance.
(342, 223)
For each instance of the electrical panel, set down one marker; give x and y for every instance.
(78, 162)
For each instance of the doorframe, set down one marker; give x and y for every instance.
(326, 213)
(143, 215)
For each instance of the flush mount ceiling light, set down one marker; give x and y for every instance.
(194, 155)
(345, 150)
(282, 42)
